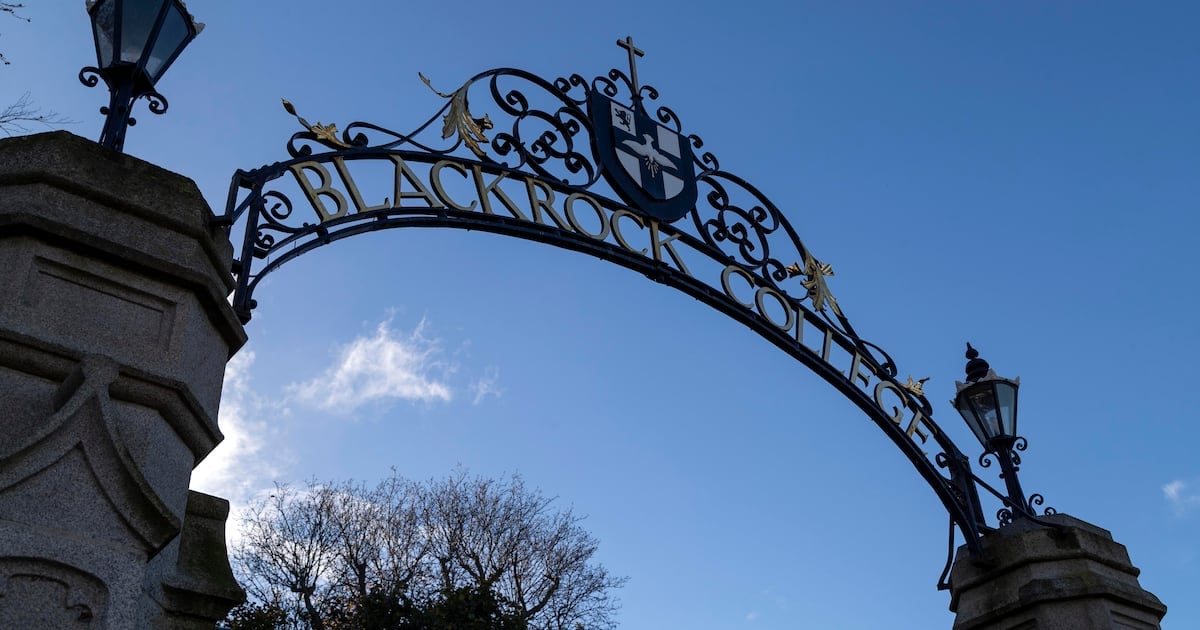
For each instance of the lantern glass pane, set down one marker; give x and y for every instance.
(1006, 397)
(137, 21)
(103, 22)
(170, 39)
(983, 401)
(968, 415)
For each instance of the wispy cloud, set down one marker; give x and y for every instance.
(383, 365)
(242, 464)
(1182, 496)
(386, 365)
(751, 616)
(487, 385)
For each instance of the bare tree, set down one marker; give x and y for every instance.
(499, 535)
(10, 8)
(23, 112)
(287, 548)
(17, 117)
(332, 549)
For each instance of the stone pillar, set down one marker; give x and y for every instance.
(1030, 576)
(114, 334)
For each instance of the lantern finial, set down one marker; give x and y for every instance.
(976, 368)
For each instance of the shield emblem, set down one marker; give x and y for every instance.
(647, 164)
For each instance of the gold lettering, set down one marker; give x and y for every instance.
(591, 203)
(855, 364)
(897, 415)
(914, 427)
(762, 309)
(660, 244)
(314, 192)
(827, 346)
(355, 196)
(538, 203)
(404, 172)
(435, 178)
(730, 270)
(494, 189)
(799, 324)
(616, 229)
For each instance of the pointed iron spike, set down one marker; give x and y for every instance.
(971, 352)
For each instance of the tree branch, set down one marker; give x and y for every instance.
(11, 9)
(17, 116)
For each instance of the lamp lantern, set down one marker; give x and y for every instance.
(136, 41)
(987, 402)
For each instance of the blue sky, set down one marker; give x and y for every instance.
(1020, 175)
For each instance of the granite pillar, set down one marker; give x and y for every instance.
(1035, 577)
(114, 334)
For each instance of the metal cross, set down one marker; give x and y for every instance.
(634, 53)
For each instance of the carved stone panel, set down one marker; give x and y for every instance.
(48, 596)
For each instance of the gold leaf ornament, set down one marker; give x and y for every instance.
(916, 387)
(325, 134)
(815, 273)
(459, 121)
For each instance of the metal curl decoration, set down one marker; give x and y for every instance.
(264, 241)
(706, 162)
(273, 213)
(275, 216)
(1015, 506)
(126, 85)
(746, 230)
(1036, 500)
(544, 139)
(157, 103)
(668, 117)
(568, 84)
(90, 76)
(357, 135)
(648, 91)
(610, 84)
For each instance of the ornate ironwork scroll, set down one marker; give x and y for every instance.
(559, 162)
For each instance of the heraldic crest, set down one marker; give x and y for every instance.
(647, 164)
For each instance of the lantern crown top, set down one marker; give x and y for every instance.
(199, 26)
(976, 368)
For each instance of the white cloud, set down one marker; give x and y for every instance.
(1181, 496)
(241, 464)
(487, 385)
(751, 616)
(385, 365)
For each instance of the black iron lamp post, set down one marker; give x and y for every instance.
(988, 403)
(136, 41)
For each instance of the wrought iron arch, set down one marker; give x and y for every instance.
(550, 167)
